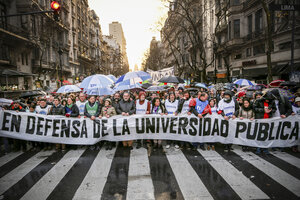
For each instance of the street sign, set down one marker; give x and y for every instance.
(284, 7)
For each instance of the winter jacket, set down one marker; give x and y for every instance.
(259, 108)
(111, 111)
(246, 114)
(180, 104)
(284, 106)
(59, 110)
(126, 106)
(74, 111)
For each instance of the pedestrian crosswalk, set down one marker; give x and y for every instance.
(122, 173)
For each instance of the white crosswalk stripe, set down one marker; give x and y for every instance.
(45, 185)
(94, 181)
(241, 184)
(189, 182)
(8, 157)
(280, 176)
(140, 184)
(287, 158)
(18, 173)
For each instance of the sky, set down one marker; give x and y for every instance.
(138, 19)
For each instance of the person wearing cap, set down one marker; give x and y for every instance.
(81, 103)
(296, 106)
(228, 107)
(142, 106)
(108, 111)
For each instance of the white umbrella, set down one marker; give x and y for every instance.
(96, 81)
(68, 89)
(5, 102)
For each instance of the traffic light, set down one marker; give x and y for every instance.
(55, 6)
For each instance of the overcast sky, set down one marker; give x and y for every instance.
(137, 17)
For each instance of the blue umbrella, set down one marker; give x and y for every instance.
(100, 91)
(127, 85)
(96, 81)
(68, 89)
(201, 85)
(112, 77)
(138, 76)
(243, 82)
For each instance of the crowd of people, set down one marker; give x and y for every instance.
(177, 100)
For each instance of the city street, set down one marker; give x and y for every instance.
(140, 174)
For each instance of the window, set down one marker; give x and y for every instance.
(238, 56)
(284, 46)
(235, 2)
(249, 19)
(229, 30)
(219, 61)
(26, 59)
(23, 59)
(248, 52)
(259, 49)
(3, 22)
(236, 28)
(258, 21)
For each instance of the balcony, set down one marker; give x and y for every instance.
(235, 9)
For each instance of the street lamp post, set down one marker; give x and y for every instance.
(60, 63)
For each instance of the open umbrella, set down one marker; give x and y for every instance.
(5, 102)
(138, 76)
(68, 89)
(127, 85)
(171, 79)
(243, 82)
(96, 81)
(32, 93)
(283, 92)
(100, 91)
(275, 83)
(201, 85)
(112, 77)
(157, 88)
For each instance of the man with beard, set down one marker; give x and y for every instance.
(81, 103)
(229, 108)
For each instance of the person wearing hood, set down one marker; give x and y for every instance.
(143, 107)
(246, 112)
(283, 106)
(264, 108)
(228, 107)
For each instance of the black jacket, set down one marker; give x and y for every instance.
(59, 110)
(180, 105)
(98, 110)
(74, 111)
(126, 106)
(284, 106)
(259, 108)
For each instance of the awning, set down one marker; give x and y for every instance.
(9, 72)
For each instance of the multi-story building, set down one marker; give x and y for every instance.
(116, 30)
(241, 41)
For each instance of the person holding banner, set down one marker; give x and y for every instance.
(157, 108)
(228, 107)
(81, 103)
(126, 107)
(142, 107)
(108, 111)
(71, 108)
(171, 105)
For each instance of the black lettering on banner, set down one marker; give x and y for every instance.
(75, 124)
(286, 136)
(150, 125)
(104, 128)
(295, 131)
(83, 129)
(240, 128)
(278, 130)
(216, 127)
(140, 128)
(271, 131)
(30, 121)
(193, 130)
(253, 136)
(200, 126)
(115, 128)
(5, 120)
(263, 130)
(39, 126)
(173, 125)
(65, 128)
(224, 128)
(165, 125)
(206, 126)
(183, 122)
(47, 126)
(157, 124)
(15, 123)
(125, 128)
(56, 123)
(96, 129)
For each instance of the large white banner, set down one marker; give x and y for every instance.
(156, 75)
(265, 133)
